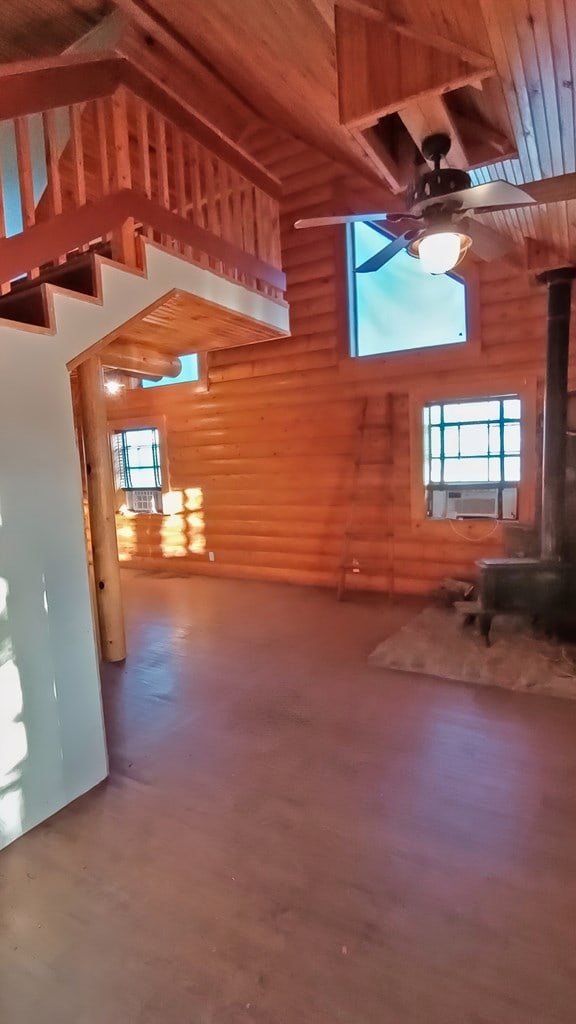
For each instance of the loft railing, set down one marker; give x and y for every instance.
(75, 132)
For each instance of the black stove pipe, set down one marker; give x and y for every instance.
(559, 284)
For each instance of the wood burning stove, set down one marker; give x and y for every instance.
(544, 587)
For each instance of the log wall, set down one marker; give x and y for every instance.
(264, 461)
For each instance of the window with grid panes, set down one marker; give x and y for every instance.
(137, 471)
(472, 442)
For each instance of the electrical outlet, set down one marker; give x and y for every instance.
(211, 556)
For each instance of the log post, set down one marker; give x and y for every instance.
(559, 284)
(101, 510)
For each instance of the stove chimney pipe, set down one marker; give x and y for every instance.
(559, 284)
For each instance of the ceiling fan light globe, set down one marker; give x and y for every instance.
(440, 251)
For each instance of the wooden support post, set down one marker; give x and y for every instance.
(101, 510)
(123, 240)
(555, 405)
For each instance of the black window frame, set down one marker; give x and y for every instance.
(122, 468)
(502, 420)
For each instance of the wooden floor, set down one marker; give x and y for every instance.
(291, 837)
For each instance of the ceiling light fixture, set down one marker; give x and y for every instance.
(113, 386)
(439, 250)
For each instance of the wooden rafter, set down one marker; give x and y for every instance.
(149, 41)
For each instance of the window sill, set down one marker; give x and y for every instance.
(416, 361)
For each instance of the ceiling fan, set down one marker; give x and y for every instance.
(438, 201)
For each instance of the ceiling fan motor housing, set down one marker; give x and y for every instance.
(436, 184)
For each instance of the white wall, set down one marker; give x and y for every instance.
(52, 744)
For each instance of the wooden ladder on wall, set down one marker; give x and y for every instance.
(347, 563)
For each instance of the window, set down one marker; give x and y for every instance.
(473, 445)
(400, 307)
(136, 456)
(190, 372)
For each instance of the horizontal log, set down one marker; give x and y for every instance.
(530, 307)
(312, 291)
(306, 273)
(272, 349)
(140, 359)
(310, 252)
(298, 363)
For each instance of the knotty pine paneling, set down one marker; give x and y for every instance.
(264, 460)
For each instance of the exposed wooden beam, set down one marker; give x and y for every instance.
(152, 43)
(38, 85)
(139, 359)
(100, 486)
(369, 87)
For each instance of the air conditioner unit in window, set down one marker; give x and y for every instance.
(144, 500)
(473, 503)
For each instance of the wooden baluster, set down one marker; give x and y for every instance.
(53, 163)
(248, 217)
(236, 185)
(180, 175)
(224, 204)
(119, 114)
(78, 172)
(274, 241)
(144, 154)
(261, 230)
(212, 219)
(25, 177)
(161, 164)
(198, 210)
(53, 156)
(102, 139)
(77, 148)
(124, 241)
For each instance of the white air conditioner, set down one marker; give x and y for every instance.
(473, 503)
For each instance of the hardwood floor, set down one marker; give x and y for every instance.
(289, 835)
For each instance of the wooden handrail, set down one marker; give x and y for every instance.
(46, 242)
(35, 86)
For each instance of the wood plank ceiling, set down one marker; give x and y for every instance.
(188, 323)
(281, 57)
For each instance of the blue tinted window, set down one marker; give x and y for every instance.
(400, 307)
(189, 372)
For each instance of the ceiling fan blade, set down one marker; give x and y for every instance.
(493, 194)
(352, 218)
(386, 254)
(553, 190)
(486, 243)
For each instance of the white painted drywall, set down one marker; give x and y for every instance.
(52, 742)
(52, 745)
